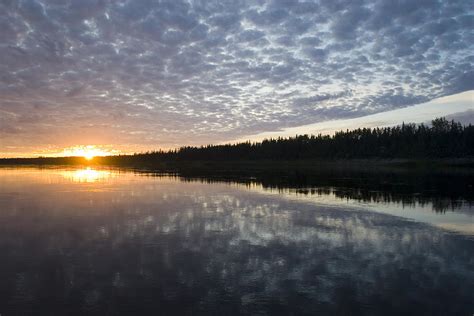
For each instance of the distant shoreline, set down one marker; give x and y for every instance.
(443, 144)
(127, 161)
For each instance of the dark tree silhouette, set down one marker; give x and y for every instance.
(443, 139)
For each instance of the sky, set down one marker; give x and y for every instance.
(458, 107)
(137, 75)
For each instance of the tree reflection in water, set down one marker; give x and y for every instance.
(157, 245)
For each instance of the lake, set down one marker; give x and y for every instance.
(98, 241)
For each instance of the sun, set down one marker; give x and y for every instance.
(89, 156)
(89, 152)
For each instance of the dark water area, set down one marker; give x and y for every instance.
(446, 190)
(85, 241)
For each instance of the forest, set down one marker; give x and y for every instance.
(440, 139)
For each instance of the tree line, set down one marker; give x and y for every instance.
(441, 139)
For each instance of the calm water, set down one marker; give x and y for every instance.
(108, 242)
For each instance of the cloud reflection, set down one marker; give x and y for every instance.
(152, 244)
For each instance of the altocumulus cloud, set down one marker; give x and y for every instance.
(163, 73)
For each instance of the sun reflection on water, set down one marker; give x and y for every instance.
(87, 175)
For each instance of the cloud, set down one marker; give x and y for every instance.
(193, 72)
(458, 107)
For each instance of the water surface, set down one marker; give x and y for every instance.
(114, 242)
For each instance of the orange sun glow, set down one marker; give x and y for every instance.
(88, 152)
